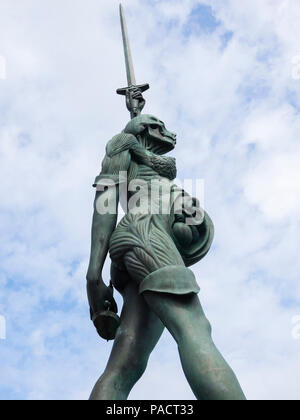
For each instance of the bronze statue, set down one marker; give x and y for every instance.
(163, 232)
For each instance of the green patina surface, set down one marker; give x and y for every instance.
(150, 250)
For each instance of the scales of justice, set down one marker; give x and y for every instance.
(151, 250)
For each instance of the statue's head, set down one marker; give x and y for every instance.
(152, 132)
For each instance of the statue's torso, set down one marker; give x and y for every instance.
(150, 187)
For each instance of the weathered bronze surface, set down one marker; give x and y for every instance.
(150, 249)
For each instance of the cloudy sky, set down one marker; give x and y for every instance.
(224, 75)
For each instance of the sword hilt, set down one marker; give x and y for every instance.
(133, 105)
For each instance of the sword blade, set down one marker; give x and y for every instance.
(127, 52)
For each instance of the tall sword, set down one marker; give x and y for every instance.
(133, 91)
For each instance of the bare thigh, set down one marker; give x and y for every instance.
(182, 315)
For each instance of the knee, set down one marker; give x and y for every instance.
(120, 379)
(136, 368)
(130, 372)
(198, 330)
(133, 361)
(205, 326)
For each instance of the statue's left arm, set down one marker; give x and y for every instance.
(116, 161)
(103, 226)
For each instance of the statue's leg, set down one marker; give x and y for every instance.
(170, 289)
(137, 336)
(207, 372)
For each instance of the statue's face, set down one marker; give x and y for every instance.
(153, 133)
(159, 137)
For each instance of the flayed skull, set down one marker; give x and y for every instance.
(153, 132)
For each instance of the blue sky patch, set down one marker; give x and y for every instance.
(225, 39)
(201, 21)
(254, 90)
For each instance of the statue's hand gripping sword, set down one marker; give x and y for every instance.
(134, 99)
